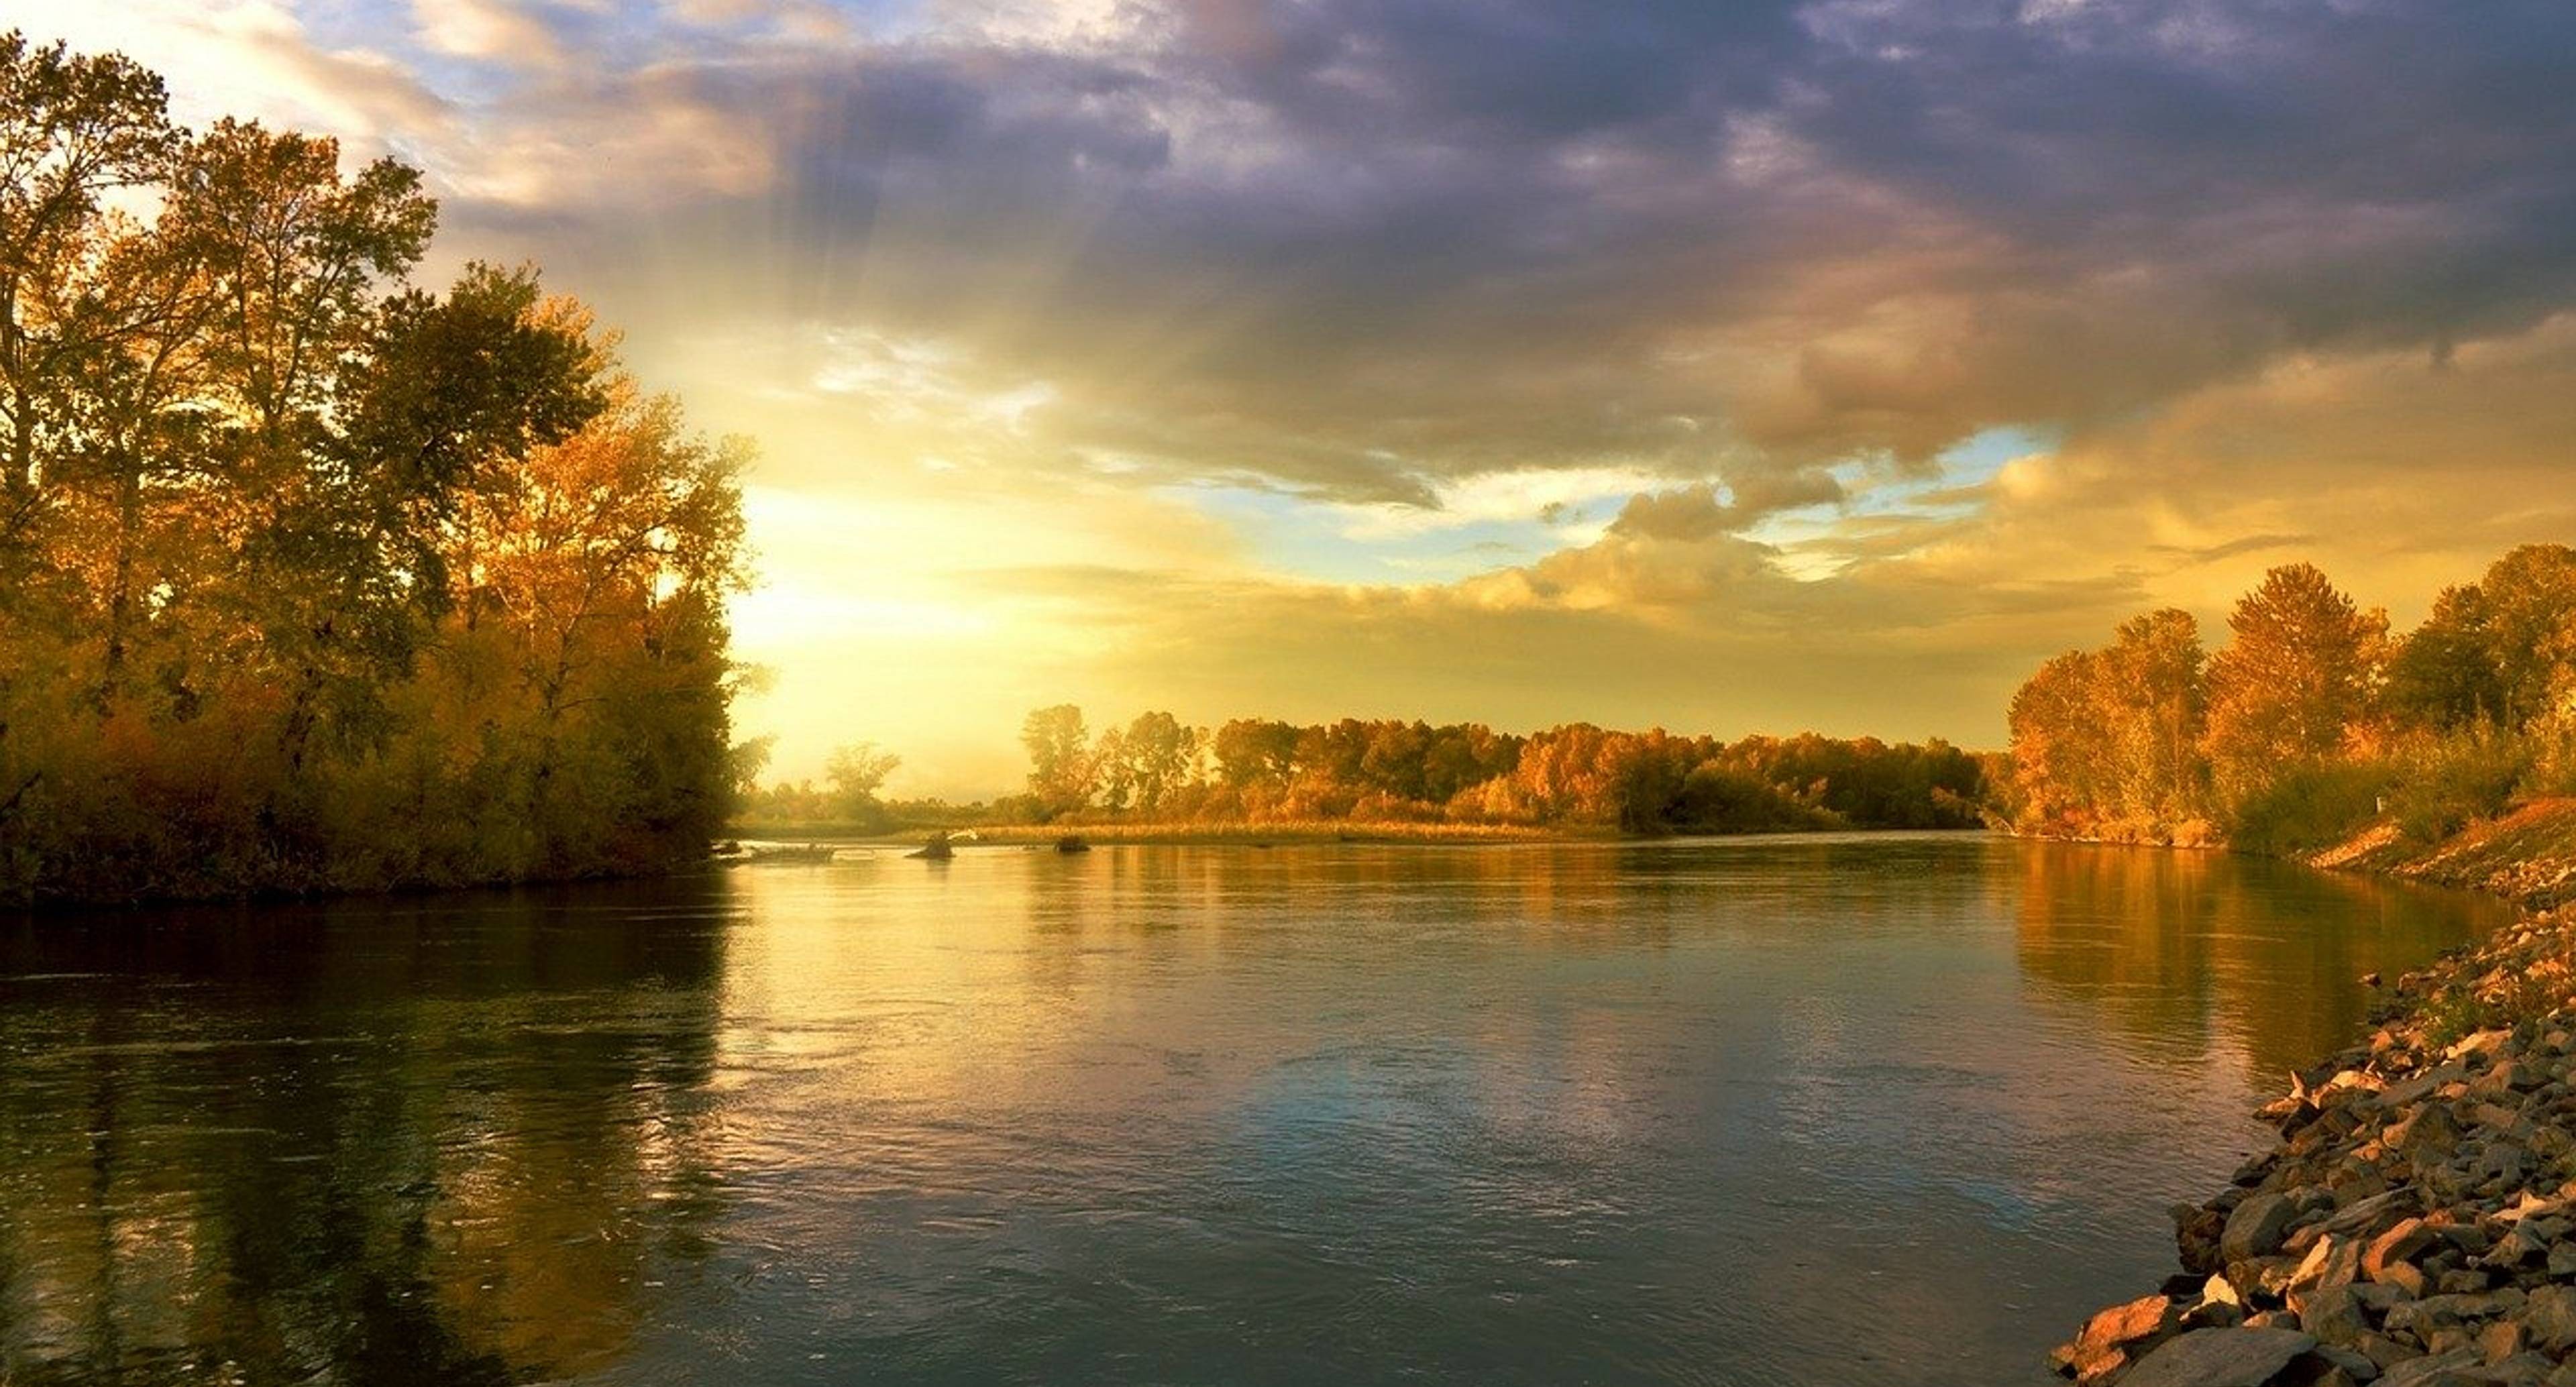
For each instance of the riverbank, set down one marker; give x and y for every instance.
(2527, 855)
(2417, 1223)
(1261, 834)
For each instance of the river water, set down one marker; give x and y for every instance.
(1789, 1111)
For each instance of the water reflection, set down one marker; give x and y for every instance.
(451, 1140)
(1794, 1111)
(2183, 951)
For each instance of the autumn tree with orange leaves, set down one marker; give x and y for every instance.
(312, 579)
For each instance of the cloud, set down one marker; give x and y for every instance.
(490, 29)
(259, 59)
(1698, 304)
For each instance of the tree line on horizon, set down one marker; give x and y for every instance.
(311, 579)
(1158, 769)
(2313, 721)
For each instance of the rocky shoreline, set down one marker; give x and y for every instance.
(2416, 1226)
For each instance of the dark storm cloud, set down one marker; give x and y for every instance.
(1358, 246)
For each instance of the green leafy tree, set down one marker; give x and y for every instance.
(73, 129)
(2446, 675)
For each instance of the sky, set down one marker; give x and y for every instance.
(1728, 367)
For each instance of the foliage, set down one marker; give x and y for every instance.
(2311, 806)
(1062, 773)
(2107, 743)
(2450, 780)
(2317, 724)
(2296, 684)
(1252, 771)
(310, 579)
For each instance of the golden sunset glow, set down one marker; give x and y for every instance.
(1755, 369)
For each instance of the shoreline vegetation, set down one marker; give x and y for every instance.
(1168, 834)
(2313, 725)
(1391, 780)
(2416, 1223)
(311, 580)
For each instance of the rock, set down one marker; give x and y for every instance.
(2500, 1341)
(2481, 1044)
(2333, 1260)
(2372, 1214)
(2355, 1364)
(2115, 1337)
(2257, 1226)
(2427, 1136)
(2462, 1282)
(2217, 1304)
(2219, 1358)
(2196, 1232)
(2395, 1247)
(2415, 1225)
(2384, 1351)
(2123, 1324)
(2333, 1315)
(2550, 1315)
(2436, 1370)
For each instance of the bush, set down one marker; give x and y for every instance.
(2448, 782)
(2311, 807)
(1717, 799)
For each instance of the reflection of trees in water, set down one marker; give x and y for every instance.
(380, 1142)
(1565, 894)
(2183, 949)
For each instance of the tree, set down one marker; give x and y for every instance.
(1061, 770)
(308, 578)
(2529, 610)
(2446, 674)
(1253, 751)
(1156, 752)
(73, 128)
(2059, 758)
(2298, 680)
(857, 772)
(1113, 777)
(2155, 707)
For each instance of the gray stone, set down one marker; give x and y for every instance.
(2219, 1358)
(2256, 1227)
(2434, 1370)
(2550, 1315)
(2333, 1314)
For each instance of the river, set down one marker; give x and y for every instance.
(1861, 1110)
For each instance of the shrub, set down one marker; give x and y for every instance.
(2449, 781)
(2311, 807)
